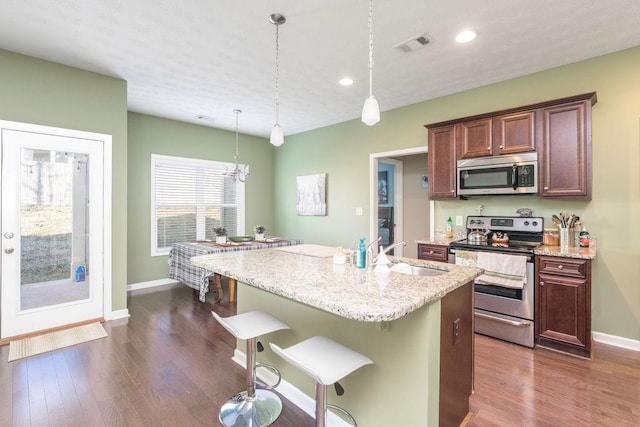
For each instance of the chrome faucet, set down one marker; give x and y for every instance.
(387, 249)
(369, 252)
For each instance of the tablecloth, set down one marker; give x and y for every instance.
(181, 268)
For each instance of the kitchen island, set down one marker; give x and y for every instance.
(416, 329)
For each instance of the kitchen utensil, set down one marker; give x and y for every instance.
(477, 236)
(556, 220)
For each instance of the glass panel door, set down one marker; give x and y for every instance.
(54, 222)
(52, 228)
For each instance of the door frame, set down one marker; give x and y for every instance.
(107, 196)
(373, 189)
(398, 203)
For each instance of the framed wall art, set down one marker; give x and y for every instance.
(312, 195)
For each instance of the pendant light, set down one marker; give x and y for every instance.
(239, 174)
(277, 137)
(370, 109)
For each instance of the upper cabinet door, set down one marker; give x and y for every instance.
(441, 159)
(565, 151)
(514, 133)
(474, 138)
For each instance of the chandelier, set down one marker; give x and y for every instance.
(240, 172)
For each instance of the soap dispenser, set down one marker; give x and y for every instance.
(362, 254)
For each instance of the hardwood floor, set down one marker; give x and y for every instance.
(169, 365)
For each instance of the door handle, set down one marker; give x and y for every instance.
(8, 251)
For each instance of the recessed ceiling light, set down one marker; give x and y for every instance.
(465, 36)
(346, 81)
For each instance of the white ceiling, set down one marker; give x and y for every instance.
(184, 58)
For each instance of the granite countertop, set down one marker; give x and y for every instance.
(344, 290)
(567, 252)
(441, 239)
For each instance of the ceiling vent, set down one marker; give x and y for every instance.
(207, 118)
(414, 43)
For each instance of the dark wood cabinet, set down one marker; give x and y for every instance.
(558, 130)
(456, 355)
(514, 133)
(474, 138)
(497, 135)
(441, 163)
(565, 150)
(563, 304)
(433, 252)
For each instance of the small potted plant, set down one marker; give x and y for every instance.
(221, 234)
(259, 230)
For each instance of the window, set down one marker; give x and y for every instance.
(191, 197)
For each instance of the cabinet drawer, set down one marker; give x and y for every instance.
(433, 252)
(563, 266)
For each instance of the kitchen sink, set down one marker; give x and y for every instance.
(416, 270)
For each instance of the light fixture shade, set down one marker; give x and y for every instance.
(277, 137)
(370, 111)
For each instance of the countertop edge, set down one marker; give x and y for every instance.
(568, 252)
(426, 290)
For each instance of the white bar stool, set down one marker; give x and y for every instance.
(327, 362)
(255, 408)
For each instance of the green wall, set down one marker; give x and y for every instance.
(45, 93)
(612, 216)
(153, 135)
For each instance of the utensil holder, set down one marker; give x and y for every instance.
(567, 237)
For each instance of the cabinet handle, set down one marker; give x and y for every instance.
(430, 252)
(453, 191)
(488, 148)
(501, 147)
(560, 267)
(546, 188)
(541, 283)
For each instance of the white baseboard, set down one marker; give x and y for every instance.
(150, 284)
(119, 314)
(616, 341)
(291, 392)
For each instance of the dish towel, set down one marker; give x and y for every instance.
(508, 271)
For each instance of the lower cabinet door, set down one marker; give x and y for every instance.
(562, 314)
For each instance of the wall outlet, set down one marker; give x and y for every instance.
(459, 220)
(358, 211)
(456, 331)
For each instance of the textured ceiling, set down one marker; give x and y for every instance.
(184, 58)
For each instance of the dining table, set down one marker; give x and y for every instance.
(198, 278)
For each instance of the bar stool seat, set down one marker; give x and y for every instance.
(254, 408)
(325, 360)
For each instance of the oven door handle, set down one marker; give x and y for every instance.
(521, 323)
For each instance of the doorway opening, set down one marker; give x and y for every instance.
(411, 210)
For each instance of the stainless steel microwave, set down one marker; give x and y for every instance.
(510, 174)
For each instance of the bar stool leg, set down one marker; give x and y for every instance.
(251, 408)
(321, 404)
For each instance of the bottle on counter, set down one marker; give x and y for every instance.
(362, 255)
(585, 239)
(449, 227)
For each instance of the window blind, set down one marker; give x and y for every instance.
(190, 198)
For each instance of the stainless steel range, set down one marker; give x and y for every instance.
(501, 311)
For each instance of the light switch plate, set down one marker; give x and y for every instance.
(458, 219)
(359, 211)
